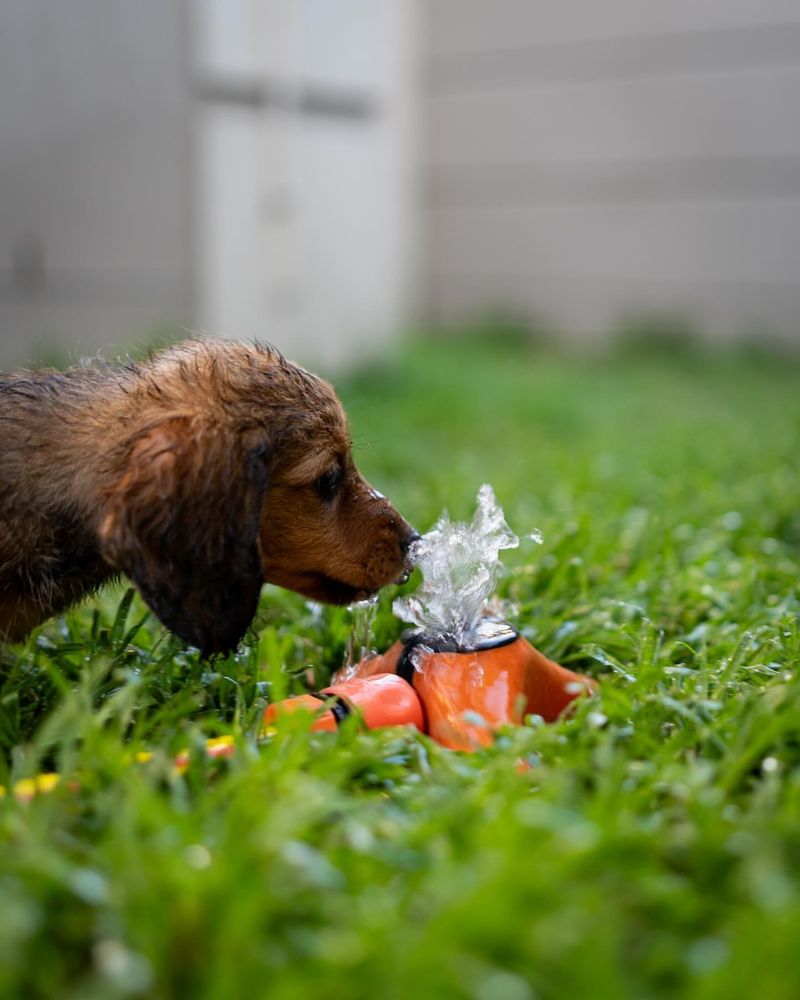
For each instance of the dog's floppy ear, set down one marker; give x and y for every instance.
(182, 522)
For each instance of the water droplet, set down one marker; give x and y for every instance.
(732, 521)
(197, 856)
(129, 971)
(89, 885)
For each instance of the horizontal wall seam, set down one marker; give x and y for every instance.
(592, 181)
(442, 277)
(618, 59)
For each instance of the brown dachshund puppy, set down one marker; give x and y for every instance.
(200, 474)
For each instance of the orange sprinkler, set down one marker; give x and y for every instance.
(457, 696)
(467, 694)
(381, 700)
(472, 672)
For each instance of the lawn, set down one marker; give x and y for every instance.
(653, 848)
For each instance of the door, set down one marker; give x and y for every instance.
(303, 191)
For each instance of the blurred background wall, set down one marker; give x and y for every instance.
(242, 167)
(96, 206)
(304, 209)
(588, 160)
(321, 173)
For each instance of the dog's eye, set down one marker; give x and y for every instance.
(328, 484)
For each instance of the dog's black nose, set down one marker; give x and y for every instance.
(408, 541)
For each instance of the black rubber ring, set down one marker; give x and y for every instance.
(337, 705)
(405, 668)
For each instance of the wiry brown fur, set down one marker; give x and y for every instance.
(196, 474)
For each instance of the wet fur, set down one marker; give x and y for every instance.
(198, 475)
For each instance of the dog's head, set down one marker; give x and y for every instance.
(249, 479)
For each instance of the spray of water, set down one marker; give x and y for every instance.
(460, 565)
(359, 643)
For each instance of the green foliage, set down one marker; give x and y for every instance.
(651, 849)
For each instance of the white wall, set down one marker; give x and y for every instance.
(588, 159)
(95, 230)
(305, 216)
(138, 194)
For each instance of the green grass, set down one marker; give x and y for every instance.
(652, 850)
